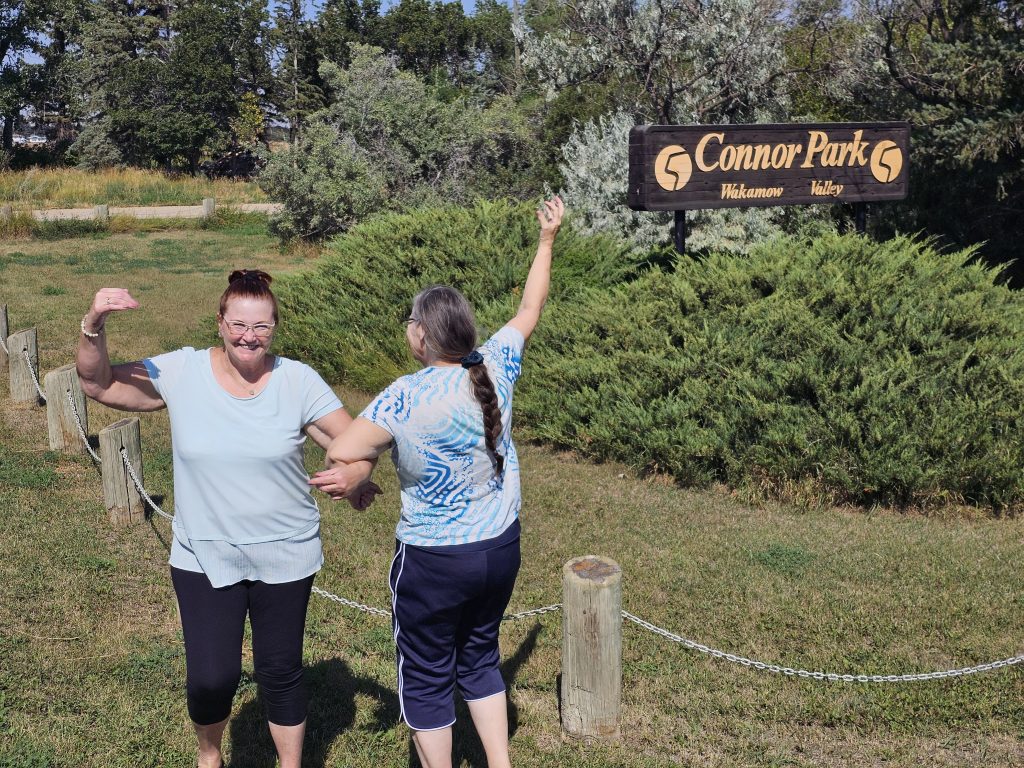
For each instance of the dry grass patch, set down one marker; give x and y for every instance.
(74, 188)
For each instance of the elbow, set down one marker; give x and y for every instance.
(333, 454)
(91, 389)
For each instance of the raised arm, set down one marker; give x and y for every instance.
(535, 292)
(125, 387)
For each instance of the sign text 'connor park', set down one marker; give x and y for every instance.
(686, 167)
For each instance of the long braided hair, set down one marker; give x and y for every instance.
(449, 331)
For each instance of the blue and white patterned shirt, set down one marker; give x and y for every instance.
(450, 493)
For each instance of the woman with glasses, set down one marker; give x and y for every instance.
(246, 529)
(457, 549)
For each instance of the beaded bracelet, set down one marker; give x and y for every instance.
(90, 335)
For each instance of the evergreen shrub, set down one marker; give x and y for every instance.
(832, 370)
(345, 318)
(837, 370)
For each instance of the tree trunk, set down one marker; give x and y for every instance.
(8, 137)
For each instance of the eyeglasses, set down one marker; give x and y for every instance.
(259, 330)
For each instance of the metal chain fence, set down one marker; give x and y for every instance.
(555, 607)
(32, 373)
(81, 427)
(138, 485)
(830, 676)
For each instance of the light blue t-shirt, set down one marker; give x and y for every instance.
(239, 478)
(450, 493)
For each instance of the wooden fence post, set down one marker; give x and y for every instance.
(209, 205)
(6, 212)
(102, 212)
(18, 343)
(3, 334)
(60, 417)
(591, 648)
(124, 504)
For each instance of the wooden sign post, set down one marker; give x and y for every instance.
(689, 167)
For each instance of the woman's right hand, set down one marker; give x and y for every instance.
(108, 300)
(550, 217)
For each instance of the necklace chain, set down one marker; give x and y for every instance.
(237, 378)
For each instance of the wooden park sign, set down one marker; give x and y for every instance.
(686, 167)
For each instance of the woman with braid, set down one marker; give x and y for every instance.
(457, 549)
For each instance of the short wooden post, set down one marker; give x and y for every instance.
(60, 416)
(18, 343)
(209, 205)
(3, 334)
(124, 504)
(102, 212)
(6, 212)
(591, 648)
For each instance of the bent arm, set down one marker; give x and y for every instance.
(538, 281)
(357, 449)
(344, 477)
(363, 441)
(126, 387)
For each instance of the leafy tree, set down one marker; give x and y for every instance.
(122, 48)
(251, 48)
(298, 88)
(195, 98)
(427, 36)
(493, 48)
(21, 21)
(342, 22)
(957, 72)
(828, 53)
(390, 131)
(250, 124)
(660, 62)
(685, 61)
(57, 97)
(165, 84)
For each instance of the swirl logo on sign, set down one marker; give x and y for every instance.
(886, 161)
(673, 167)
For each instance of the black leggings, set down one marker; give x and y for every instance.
(213, 621)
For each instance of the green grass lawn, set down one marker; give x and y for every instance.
(92, 665)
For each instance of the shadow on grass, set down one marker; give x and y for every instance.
(466, 744)
(333, 689)
(332, 692)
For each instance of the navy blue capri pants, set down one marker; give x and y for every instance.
(213, 621)
(447, 606)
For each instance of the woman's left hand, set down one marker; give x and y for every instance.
(363, 496)
(338, 481)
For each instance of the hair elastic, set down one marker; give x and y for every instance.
(473, 358)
